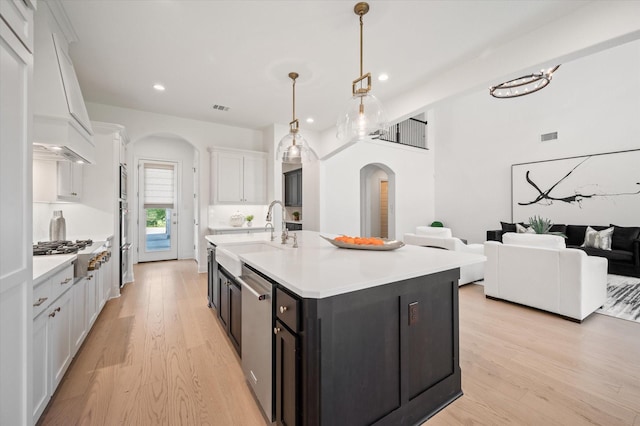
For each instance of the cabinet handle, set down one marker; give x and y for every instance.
(65, 281)
(40, 301)
(283, 309)
(53, 314)
(89, 277)
(276, 330)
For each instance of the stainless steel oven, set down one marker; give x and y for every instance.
(125, 245)
(123, 182)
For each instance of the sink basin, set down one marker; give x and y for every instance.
(227, 255)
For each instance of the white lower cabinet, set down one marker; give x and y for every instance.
(92, 297)
(79, 323)
(40, 365)
(60, 313)
(61, 326)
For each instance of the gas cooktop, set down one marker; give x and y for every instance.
(60, 247)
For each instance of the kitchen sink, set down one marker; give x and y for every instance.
(227, 255)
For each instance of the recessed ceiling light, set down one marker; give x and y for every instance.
(310, 120)
(80, 162)
(159, 87)
(56, 148)
(383, 77)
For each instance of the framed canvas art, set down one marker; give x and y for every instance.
(599, 189)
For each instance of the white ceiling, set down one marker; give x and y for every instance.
(238, 53)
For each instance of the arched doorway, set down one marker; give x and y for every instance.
(164, 228)
(377, 201)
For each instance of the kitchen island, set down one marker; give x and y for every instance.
(361, 337)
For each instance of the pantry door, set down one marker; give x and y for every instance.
(157, 210)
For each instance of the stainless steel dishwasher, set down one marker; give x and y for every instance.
(257, 337)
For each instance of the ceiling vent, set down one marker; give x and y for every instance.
(549, 137)
(221, 108)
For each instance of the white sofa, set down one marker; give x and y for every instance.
(539, 271)
(442, 238)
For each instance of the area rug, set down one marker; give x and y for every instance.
(623, 298)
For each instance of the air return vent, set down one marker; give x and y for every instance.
(549, 137)
(221, 107)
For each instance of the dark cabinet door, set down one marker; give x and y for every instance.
(293, 188)
(286, 373)
(223, 311)
(235, 311)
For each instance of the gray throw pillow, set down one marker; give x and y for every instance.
(598, 239)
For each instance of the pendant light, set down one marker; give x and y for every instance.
(293, 148)
(364, 116)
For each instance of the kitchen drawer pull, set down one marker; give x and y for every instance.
(89, 277)
(276, 330)
(53, 314)
(65, 281)
(40, 301)
(283, 309)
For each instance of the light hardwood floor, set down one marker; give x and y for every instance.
(157, 356)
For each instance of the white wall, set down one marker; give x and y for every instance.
(200, 134)
(593, 103)
(340, 186)
(183, 153)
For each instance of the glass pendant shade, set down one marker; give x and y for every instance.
(293, 149)
(362, 119)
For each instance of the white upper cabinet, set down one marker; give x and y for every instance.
(19, 15)
(69, 181)
(239, 177)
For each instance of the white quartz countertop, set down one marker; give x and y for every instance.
(318, 269)
(44, 266)
(234, 228)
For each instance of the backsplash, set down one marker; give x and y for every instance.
(220, 215)
(82, 221)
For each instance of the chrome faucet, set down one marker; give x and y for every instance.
(284, 235)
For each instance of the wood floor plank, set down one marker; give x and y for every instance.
(158, 356)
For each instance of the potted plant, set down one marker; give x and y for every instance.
(543, 226)
(296, 215)
(249, 218)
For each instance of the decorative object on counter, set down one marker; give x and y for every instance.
(296, 215)
(236, 219)
(350, 243)
(437, 224)
(524, 85)
(293, 148)
(364, 116)
(57, 227)
(249, 219)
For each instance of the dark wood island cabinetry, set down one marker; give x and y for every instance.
(386, 355)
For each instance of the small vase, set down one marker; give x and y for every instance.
(249, 223)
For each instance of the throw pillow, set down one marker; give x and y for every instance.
(523, 229)
(508, 227)
(598, 239)
(623, 237)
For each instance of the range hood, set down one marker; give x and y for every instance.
(61, 125)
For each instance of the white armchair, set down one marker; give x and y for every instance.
(539, 271)
(441, 238)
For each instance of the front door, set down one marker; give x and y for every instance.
(158, 219)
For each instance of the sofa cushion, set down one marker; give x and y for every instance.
(559, 228)
(575, 234)
(612, 255)
(598, 239)
(524, 229)
(534, 240)
(623, 237)
(433, 231)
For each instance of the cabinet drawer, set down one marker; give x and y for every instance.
(41, 297)
(61, 282)
(287, 310)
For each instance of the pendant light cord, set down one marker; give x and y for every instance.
(361, 62)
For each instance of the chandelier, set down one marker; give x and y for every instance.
(523, 85)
